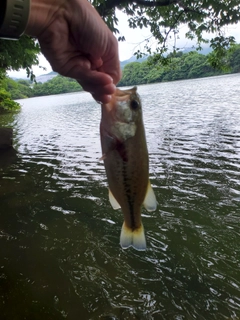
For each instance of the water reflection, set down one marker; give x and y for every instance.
(60, 254)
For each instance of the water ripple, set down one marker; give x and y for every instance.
(60, 253)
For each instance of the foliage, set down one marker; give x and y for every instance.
(13, 56)
(6, 103)
(58, 84)
(165, 17)
(17, 89)
(234, 58)
(182, 66)
(18, 54)
(24, 89)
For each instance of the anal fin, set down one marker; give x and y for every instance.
(113, 201)
(150, 202)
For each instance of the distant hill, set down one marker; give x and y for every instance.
(205, 50)
(132, 59)
(46, 77)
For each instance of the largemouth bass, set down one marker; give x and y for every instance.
(125, 158)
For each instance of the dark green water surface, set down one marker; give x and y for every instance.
(60, 256)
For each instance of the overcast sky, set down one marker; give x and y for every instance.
(134, 40)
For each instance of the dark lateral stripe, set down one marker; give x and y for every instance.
(128, 194)
(121, 148)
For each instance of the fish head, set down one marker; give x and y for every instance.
(127, 105)
(123, 114)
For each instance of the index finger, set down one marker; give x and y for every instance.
(111, 62)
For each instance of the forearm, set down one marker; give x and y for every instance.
(29, 16)
(13, 18)
(61, 10)
(41, 15)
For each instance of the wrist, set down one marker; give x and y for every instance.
(14, 18)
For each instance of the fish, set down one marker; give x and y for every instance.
(126, 161)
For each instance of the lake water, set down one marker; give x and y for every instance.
(60, 256)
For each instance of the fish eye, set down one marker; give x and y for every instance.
(134, 104)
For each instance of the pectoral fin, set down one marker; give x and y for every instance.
(108, 142)
(103, 157)
(150, 202)
(113, 201)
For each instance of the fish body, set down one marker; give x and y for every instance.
(126, 163)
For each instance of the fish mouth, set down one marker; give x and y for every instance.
(124, 97)
(117, 101)
(118, 97)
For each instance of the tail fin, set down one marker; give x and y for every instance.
(132, 238)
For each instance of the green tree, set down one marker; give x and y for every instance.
(234, 58)
(6, 103)
(17, 89)
(130, 74)
(165, 17)
(58, 84)
(181, 66)
(13, 56)
(18, 54)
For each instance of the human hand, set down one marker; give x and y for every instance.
(77, 43)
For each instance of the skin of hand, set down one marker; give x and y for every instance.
(77, 43)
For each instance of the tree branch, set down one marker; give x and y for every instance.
(105, 7)
(157, 3)
(164, 3)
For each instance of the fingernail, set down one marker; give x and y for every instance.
(109, 96)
